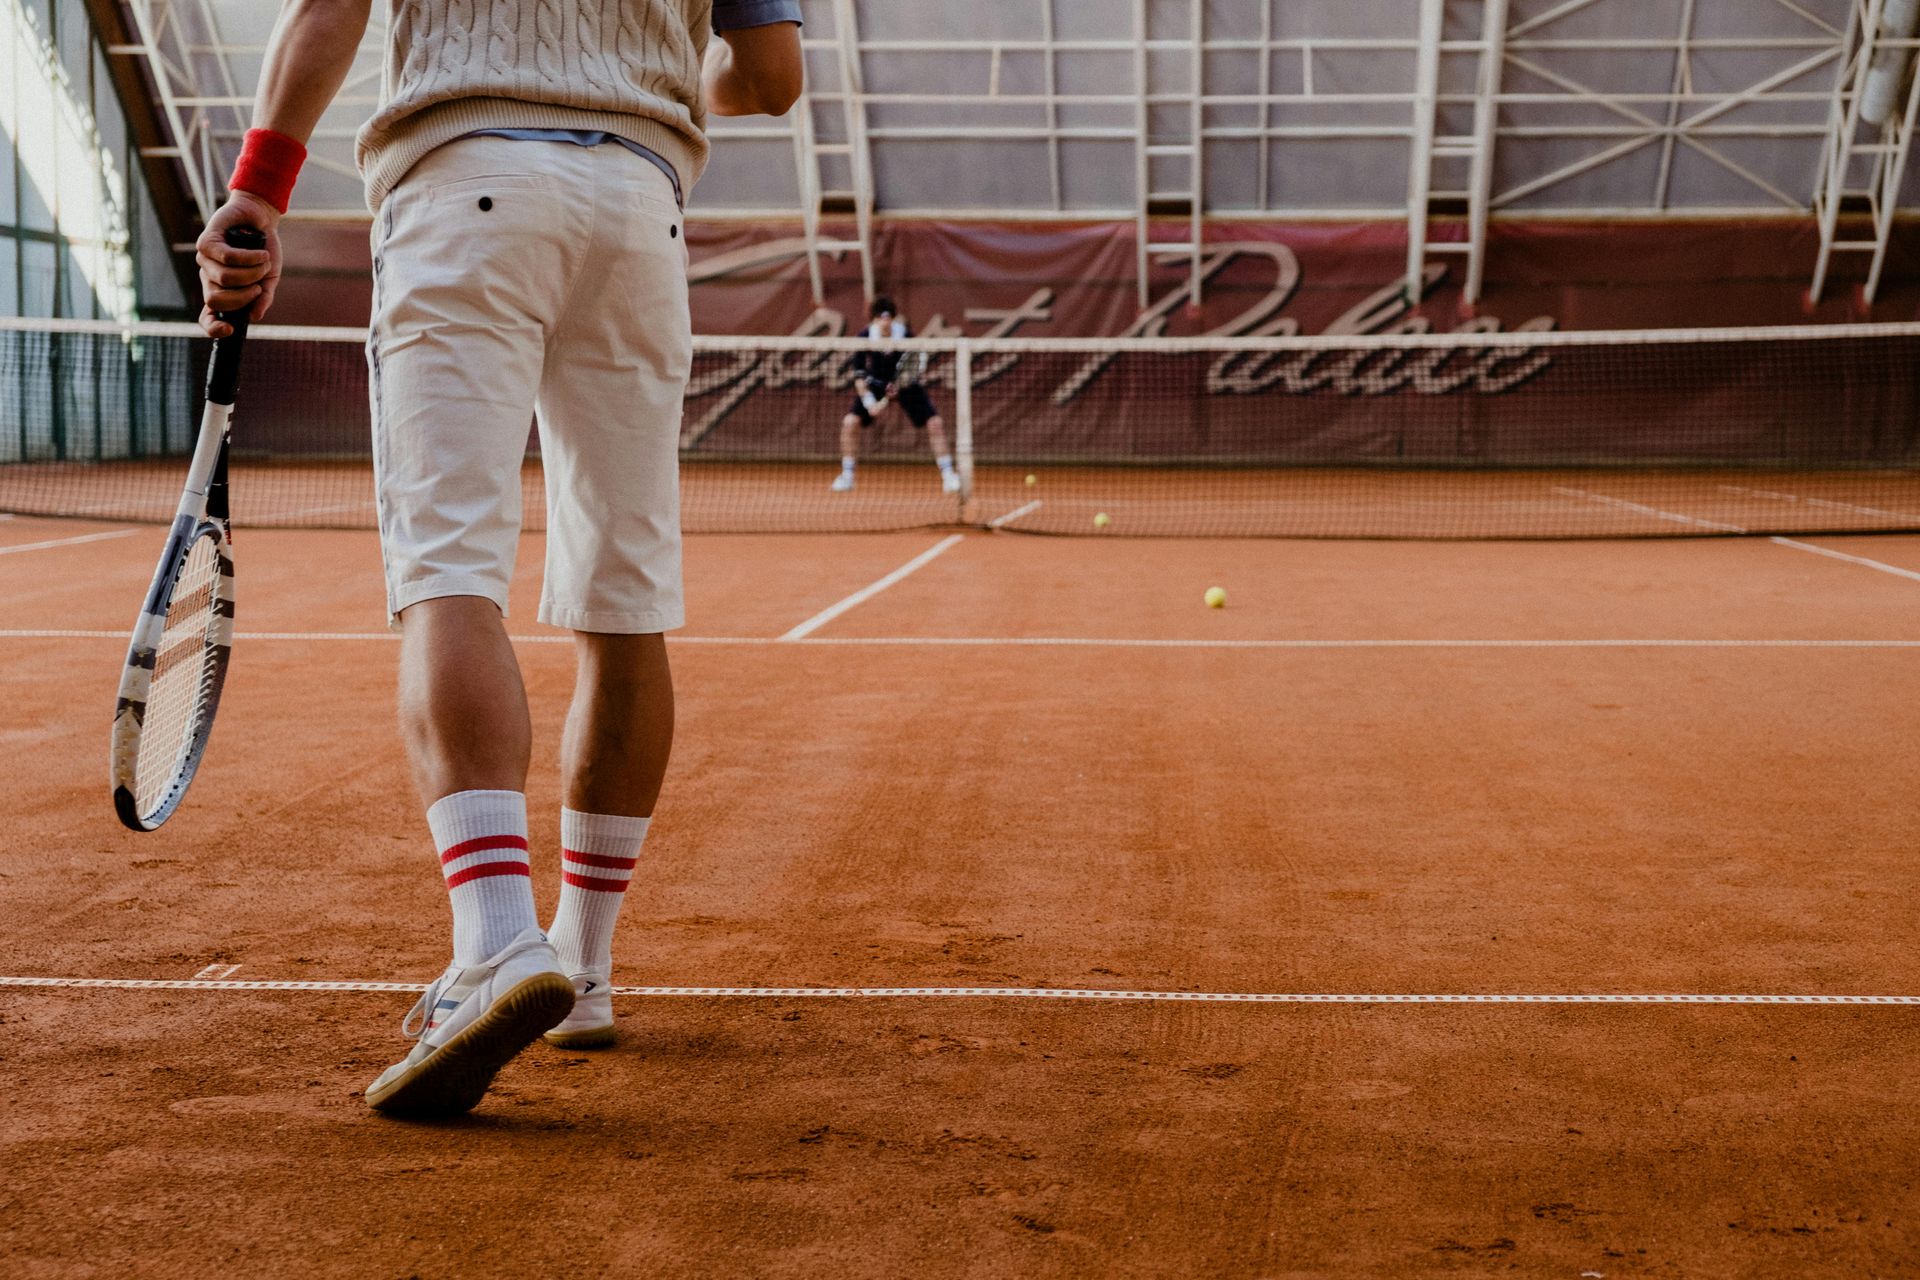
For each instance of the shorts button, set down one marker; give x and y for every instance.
(486, 203)
(673, 233)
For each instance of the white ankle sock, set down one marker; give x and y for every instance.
(848, 464)
(482, 839)
(944, 462)
(598, 852)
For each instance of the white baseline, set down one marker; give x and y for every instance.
(1057, 642)
(1022, 993)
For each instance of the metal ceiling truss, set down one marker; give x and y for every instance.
(1870, 135)
(207, 105)
(1474, 90)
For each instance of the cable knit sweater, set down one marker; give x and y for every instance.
(626, 67)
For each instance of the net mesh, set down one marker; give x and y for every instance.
(1528, 435)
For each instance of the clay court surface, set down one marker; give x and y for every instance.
(1385, 769)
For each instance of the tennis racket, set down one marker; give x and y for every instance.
(177, 661)
(912, 370)
(909, 372)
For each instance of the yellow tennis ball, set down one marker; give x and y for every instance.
(1102, 520)
(1032, 481)
(1216, 598)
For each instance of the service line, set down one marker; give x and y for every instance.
(1020, 993)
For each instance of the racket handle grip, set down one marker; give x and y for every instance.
(223, 374)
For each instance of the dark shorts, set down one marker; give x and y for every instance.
(913, 401)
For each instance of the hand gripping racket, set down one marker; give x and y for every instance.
(910, 371)
(177, 661)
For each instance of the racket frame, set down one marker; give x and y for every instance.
(202, 513)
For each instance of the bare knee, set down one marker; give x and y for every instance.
(618, 657)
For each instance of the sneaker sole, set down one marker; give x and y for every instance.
(455, 1078)
(585, 1038)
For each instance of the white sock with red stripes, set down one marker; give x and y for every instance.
(482, 839)
(597, 856)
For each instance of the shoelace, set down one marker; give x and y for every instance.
(414, 1025)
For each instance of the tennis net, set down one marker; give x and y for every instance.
(1464, 435)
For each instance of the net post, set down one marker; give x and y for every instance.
(963, 418)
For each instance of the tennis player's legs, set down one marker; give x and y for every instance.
(509, 273)
(499, 272)
(919, 408)
(610, 409)
(473, 253)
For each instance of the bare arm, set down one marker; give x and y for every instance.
(754, 71)
(307, 61)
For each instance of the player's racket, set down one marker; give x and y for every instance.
(177, 661)
(909, 372)
(912, 370)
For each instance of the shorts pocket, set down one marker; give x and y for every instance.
(486, 183)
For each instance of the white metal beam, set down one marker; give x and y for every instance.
(1486, 118)
(200, 88)
(1426, 89)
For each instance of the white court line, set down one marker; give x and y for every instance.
(324, 511)
(1791, 543)
(1023, 993)
(1058, 642)
(67, 542)
(217, 971)
(1655, 512)
(1015, 514)
(1810, 549)
(1778, 496)
(872, 589)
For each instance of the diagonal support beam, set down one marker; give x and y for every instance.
(173, 203)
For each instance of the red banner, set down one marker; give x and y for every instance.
(1078, 280)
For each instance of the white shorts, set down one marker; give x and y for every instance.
(513, 279)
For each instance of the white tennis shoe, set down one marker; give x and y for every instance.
(469, 1024)
(590, 1025)
(843, 483)
(949, 482)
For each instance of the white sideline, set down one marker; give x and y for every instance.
(1777, 495)
(67, 542)
(1655, 512)
(1883, 567)
(1023, 993)
(1792, 543)
(1001, 522)
(872, 589)
(1057, 642)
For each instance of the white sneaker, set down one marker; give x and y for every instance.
(467, 1026)
(843, 483)
(949, 482)
(590, 1025)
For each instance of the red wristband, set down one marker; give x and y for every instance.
(268, 165)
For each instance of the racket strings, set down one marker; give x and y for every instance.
(182, 676)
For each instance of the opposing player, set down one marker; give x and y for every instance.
(881, 378)
(526, 171)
